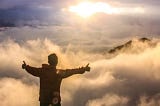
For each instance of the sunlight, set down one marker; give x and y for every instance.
(87, 9)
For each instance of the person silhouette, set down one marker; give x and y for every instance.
(51, 78)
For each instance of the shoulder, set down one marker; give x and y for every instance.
(60, 71)
(48, 67)
(45, 66)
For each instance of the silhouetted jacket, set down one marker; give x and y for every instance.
(50, 80)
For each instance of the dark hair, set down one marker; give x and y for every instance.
(53, 59)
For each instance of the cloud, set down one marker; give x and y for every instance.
(8, 4)
(41, 28)
(29, 13)
(26, 16)
(149, 101)
(47, 19)
(14, 92)
(50, 12)
(127, 79)
(109, 100)
(129, 76)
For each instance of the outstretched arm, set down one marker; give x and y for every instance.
(32, 70)
(68, 72)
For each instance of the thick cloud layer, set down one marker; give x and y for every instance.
(13, 92)
(54, 15)
(125, 80)
(50, 12)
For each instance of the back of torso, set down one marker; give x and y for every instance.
(50, 80)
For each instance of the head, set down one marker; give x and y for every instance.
(53, 59)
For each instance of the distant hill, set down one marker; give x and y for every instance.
(131, 45)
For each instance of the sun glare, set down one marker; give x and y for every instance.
(87, 9)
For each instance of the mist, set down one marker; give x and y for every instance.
(126, 79)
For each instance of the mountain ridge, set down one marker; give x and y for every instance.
(128, 45)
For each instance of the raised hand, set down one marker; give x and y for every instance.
(24, 65)
(87, 68)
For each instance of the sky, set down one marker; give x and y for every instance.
(81, 32)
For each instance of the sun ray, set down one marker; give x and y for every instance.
(87, 9)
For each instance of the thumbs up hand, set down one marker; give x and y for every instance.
(24, 65)
(87, 68)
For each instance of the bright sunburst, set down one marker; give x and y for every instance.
(87, 9)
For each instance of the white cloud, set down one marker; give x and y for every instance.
(149, 101)
(122, 79)
(109, 100)
(13, 92)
